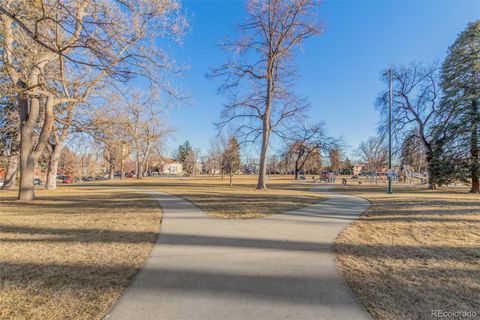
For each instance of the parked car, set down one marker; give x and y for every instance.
(89, 179)
(37, 181)
(1, 183)
(68, 180)
(99, 178)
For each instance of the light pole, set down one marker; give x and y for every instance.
(390, 173)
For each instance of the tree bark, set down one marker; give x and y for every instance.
(262, 174)
(111, 170)
(474, 150)
(231, 178)
(28, 119)
(51, 183)
(139, 170)
(11, 175)
(431, 181)
(297, 169)
(122, 175)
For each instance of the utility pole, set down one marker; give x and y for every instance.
(390, 173)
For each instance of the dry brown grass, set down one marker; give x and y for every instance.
(415, 251)
(70, 254)
(215, 197)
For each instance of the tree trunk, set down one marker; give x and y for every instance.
(11, 175)
(474, 149)
(111, 171)
(28, 118)
(51, 183)
(262, 174)
(29, 154)
(231, 178)
(139, 170)
(430, 174)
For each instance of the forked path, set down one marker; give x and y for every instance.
(279, 267)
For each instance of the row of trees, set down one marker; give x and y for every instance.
(223, 158)
(437, 108)
(56, 58)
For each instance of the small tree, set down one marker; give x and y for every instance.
(306, 145)
(373, 153)
(186, 157)
(231, 158)
(335, 158)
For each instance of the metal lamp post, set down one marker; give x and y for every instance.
(390, 173)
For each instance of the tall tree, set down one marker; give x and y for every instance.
(144, 128)
(260, 73)
(416, 97)
(461, 86)
(99, 39)
(231, 158)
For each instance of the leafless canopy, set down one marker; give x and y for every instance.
(259, 74)
(308, 142)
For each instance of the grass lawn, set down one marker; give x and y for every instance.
(415, 251)
(215, 197)
(71, 254)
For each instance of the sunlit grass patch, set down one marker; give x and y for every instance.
(413, 252)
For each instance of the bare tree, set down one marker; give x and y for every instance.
(273, 163)
(213, 161)
(262, 66)
(308, 142)
(99, 39)
(373, 153)
(416, 97)
(144, 128)
(9, 142)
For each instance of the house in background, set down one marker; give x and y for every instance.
(169, 166)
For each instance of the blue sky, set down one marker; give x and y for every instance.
(340, 69)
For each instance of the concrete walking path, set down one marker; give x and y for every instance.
(279, 267)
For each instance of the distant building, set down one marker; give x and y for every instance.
(170, 166)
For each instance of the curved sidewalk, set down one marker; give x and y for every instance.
(279, 267)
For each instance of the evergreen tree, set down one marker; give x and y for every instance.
(186, 157)
(460, 111)
(231, 158)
